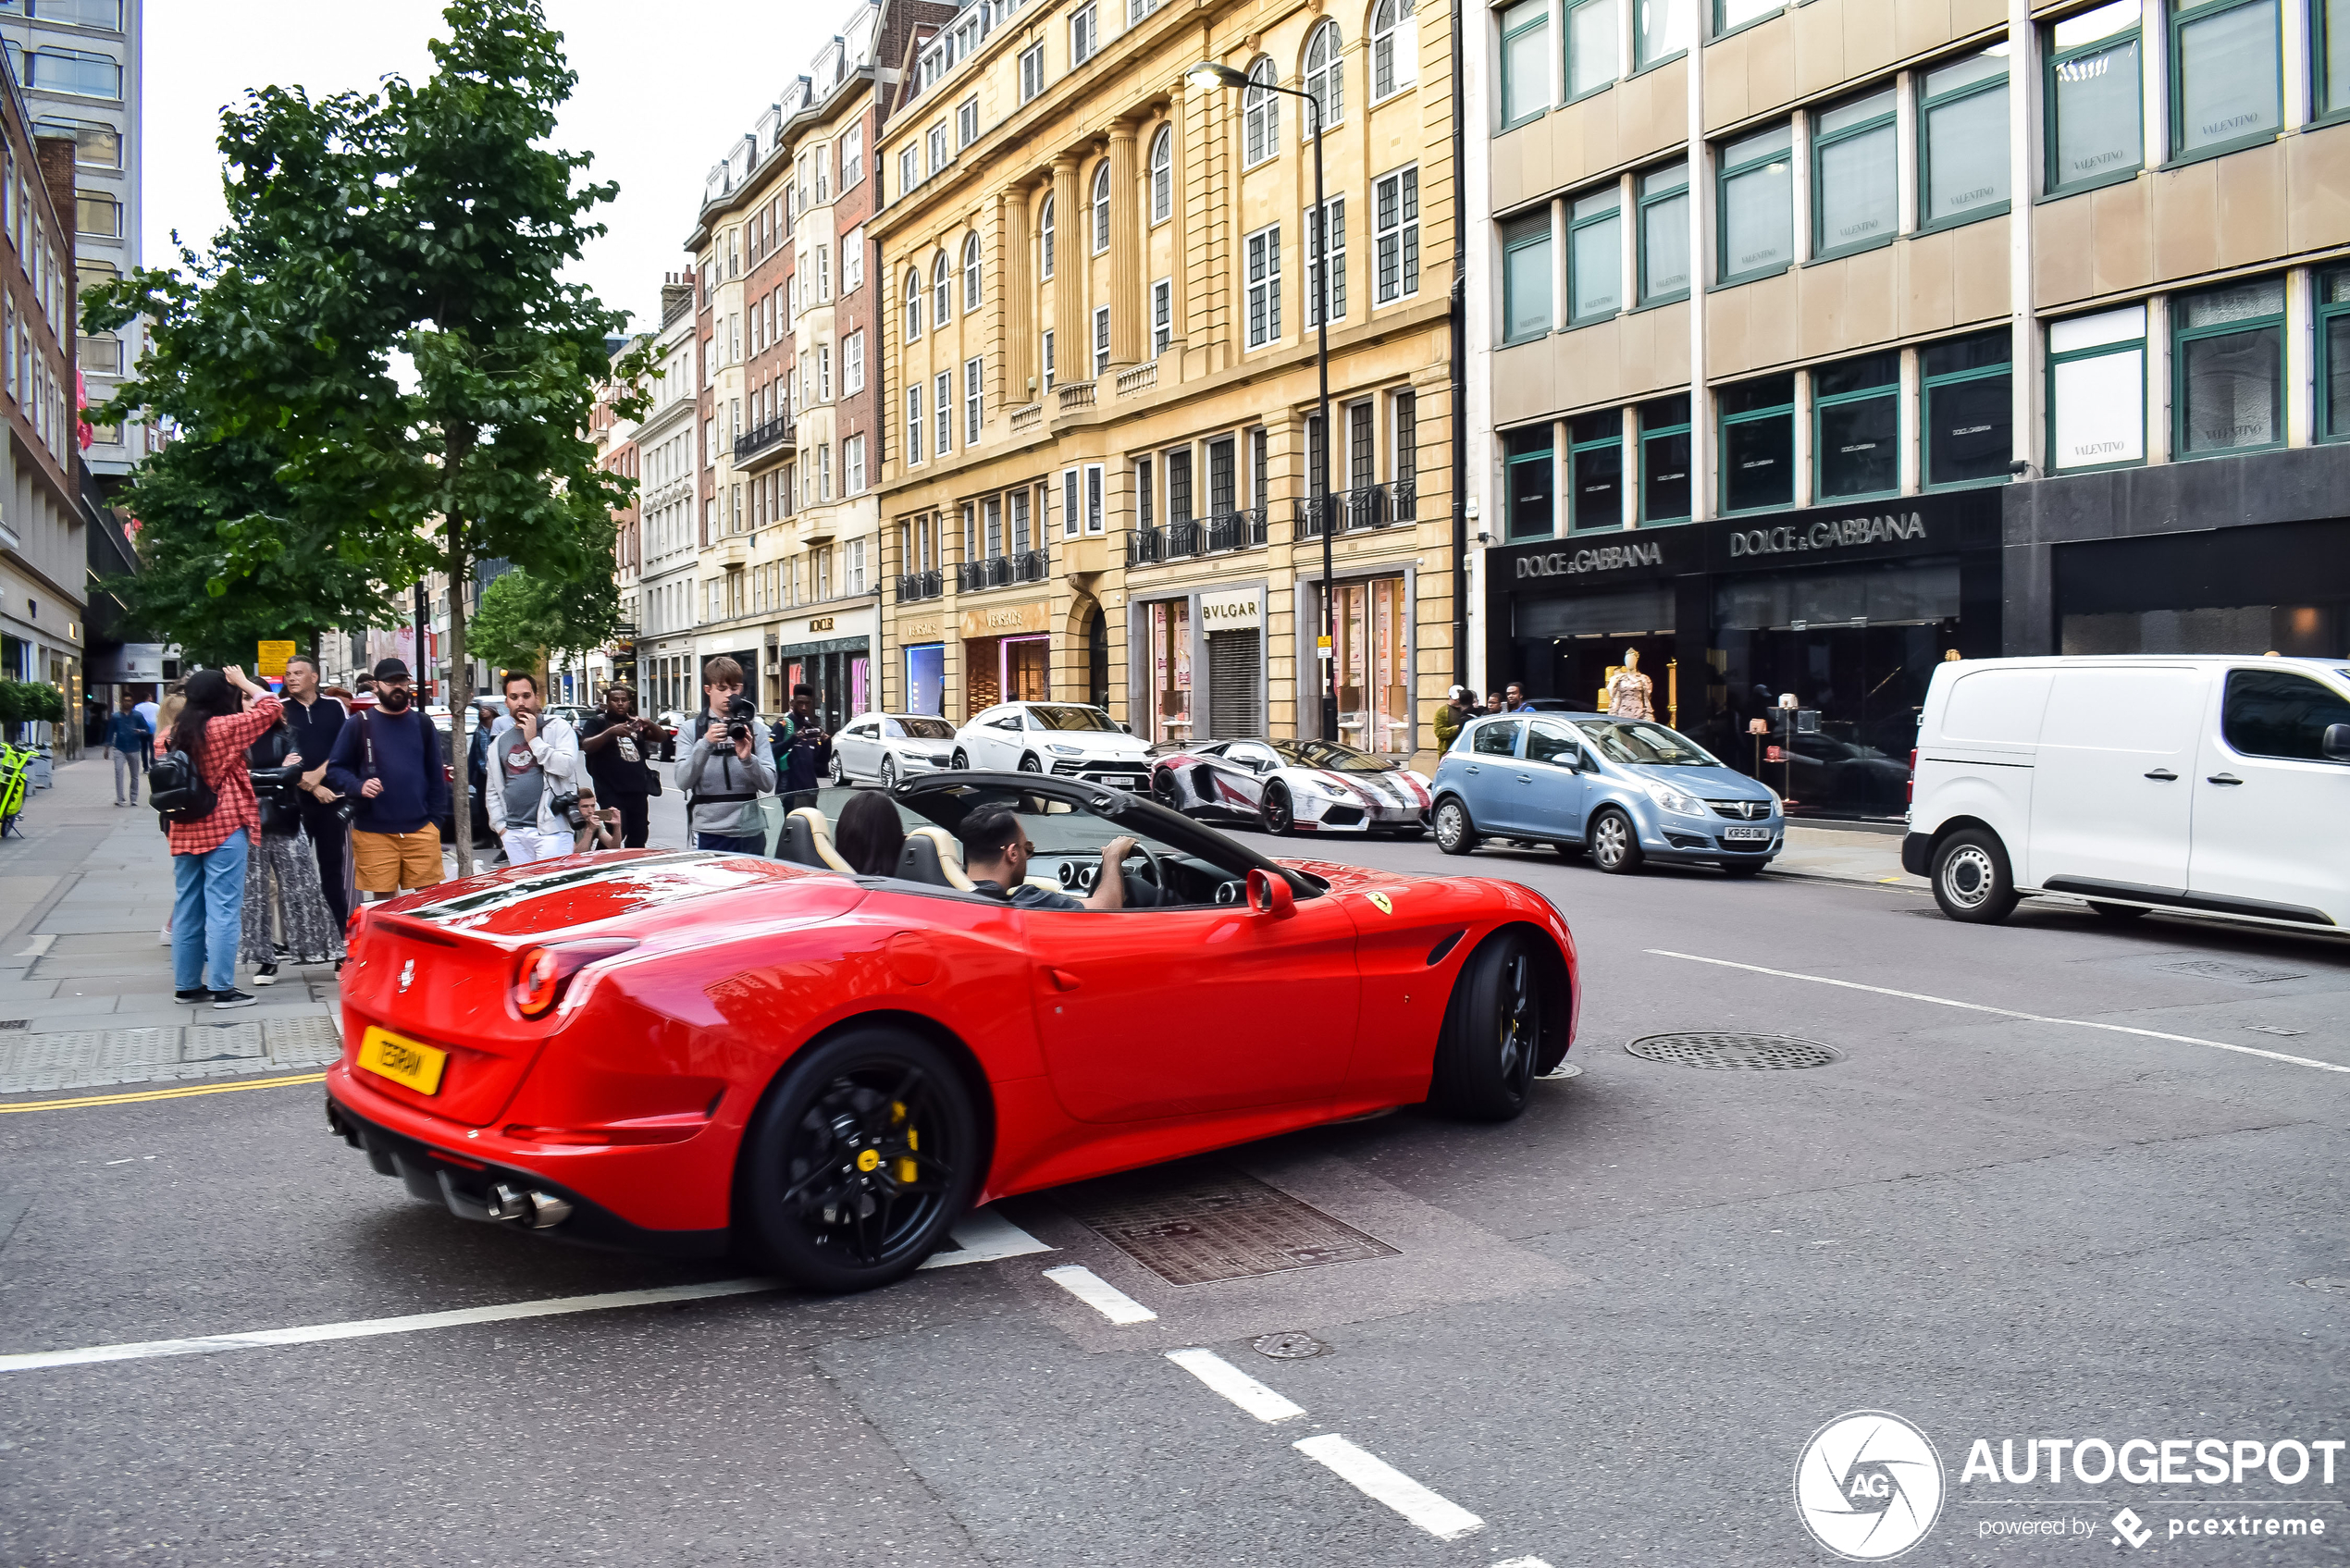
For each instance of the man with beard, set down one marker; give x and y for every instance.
(388, 759)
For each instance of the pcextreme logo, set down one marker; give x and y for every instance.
(1868, 1486)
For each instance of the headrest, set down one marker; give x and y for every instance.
(807, 841)
(932, 855)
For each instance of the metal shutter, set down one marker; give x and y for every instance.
(1234, 661)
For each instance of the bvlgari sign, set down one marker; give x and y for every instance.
(1828, 533)
(1599, 558)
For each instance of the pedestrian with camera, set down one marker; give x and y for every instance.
(803, 748)
(534, 778)
(619, 747)
(729, 767)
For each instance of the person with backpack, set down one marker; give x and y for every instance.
(129, 740)
(388, 759)
(206, 796)
(803, 750)
(729, 769)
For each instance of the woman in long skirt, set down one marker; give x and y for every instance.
(282, 890)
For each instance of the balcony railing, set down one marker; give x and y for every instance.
(1237, 530)
(1027, 419)
(1368, 506)
(1141, 378)
(1002, 570)
(775, 434)
(1076, 395)
(1186, 538)
(912, 585)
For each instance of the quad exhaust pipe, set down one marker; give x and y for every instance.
(539, 1211)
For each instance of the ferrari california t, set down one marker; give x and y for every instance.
(692, 1053)
(1289, 786)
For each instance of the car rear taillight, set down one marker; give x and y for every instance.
(1910, 785)
(542, 973)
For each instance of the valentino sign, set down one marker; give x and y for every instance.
(1828, 534)
(1574, 564)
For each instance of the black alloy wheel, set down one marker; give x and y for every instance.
(1455, 834)
(861, 1158)
(889, 773)
(1615, 844)
(1029, 764)
(1485, 1058)
(962, 759)
(1165, 790)
(1279, 816)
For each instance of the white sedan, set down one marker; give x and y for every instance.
(890, 747)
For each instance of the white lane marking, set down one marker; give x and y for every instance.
(1381, 1482)
(1099, 1294)
(1236, 1386)
(41, 943)
(1523, 1563)
(985, 1236)
(2008, 1012)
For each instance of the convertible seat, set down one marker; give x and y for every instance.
(807, 841)
(933, 855)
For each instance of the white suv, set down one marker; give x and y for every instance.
(1073, 740)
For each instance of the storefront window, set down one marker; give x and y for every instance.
(2227, 77)
(1528, 474)
(1591, 45)
(1595, 457)
(2333, 353)
(2228, 353)
(1595, 256)
(2097, 389)
(1757, 206)
(1853, 157)
(1963, 140)
(1525, 276)
(1170, 657)
(2096, 127)
(926, 679)
(1374, 686)
(1758, 443)
(1970, 409)
(1856, 445)
(1664, 460)
(1664, 234)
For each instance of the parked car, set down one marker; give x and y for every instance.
(1627, 790)
(1071, 739)
(1292, 786)
(2208, 785)
(890, 747)
(690, 1053)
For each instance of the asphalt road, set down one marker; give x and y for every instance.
(1605, 1331)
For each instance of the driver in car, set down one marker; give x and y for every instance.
(996, 855)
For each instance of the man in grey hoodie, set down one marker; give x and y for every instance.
(722, 779)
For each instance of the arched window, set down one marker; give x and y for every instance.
(1395, 52)
(913, 303)
(941, 305)
(1045, 238)
(1163, 174)
(1260, 115)
(970, 273)
(1322, 79)
(1101, 206)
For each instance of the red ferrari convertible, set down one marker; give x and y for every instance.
(686, 1052)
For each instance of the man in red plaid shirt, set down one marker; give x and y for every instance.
(208, 854)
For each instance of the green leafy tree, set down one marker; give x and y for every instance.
(524, 619)
(432, 219)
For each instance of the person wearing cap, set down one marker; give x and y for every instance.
(1457, 711)
(388, 759)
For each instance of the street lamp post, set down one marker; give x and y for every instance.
(1205, 75)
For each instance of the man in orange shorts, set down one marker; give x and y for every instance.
(388, 759)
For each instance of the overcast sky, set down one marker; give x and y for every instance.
(663, 91)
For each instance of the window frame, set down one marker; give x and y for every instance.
(1400, 55)
(2321, 81)
(1045, 240)
(966, 122)
(1575, 449)
(1927, 386)
(2100, 351)
(1534, 234)
(1162, 315)
(1331, 105)
(2321, 312)
(914, 321)
(1084, 34)
(1725, 423)
(1822, 403)
(975, 400)
(1260, 115)
(1272, 285)
(2052, 60)
(2178, 18)
(1641, 63)
(942, 293)
(1097, 210)
(1101, 341)
(1685, 427)
(1162, 176)
(1723, 173)
(1546, 456)
(1538, 17)
(1032, 72)
(973, 290)
(1926, 105)
(1403, 236)
(1575, 225)
(1642, 200)
(1822, 143)
(1566, 93)
(1333, 223)
(1719, 29)
(2181, 336)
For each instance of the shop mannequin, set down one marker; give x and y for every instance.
(1629, 693)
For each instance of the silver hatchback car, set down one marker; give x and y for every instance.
(1627, 790)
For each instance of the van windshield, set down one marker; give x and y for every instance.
(1644, 746)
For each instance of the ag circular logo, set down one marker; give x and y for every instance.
(1868, 1486)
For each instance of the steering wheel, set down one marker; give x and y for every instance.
(1157, 878)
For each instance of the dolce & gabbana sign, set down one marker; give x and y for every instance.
(1591, 561)
(1828, 533)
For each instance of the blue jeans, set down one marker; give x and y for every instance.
(727, 844)
(207, 915)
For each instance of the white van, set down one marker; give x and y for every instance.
(2215, 785)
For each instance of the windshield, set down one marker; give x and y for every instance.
(923, 729)
(1066, 716)
(1331, 755)
(1644, 746)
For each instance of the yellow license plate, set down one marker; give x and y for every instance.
(402, 1061)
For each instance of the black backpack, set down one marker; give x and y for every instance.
(176, 791)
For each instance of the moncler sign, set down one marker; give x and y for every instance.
(1837, 533)
(1604, 558)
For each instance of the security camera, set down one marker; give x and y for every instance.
(1483, 537)
(2020, 468)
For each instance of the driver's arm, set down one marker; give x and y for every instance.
(1110, 888)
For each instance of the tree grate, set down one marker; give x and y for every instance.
(1193, 1225)
(1736, 1053)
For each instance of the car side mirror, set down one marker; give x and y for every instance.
(1271, 894)
(2336, 743)
(1124, 728)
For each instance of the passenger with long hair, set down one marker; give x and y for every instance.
(869, 834)
(208, 854)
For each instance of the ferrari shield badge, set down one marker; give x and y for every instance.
(1386, 906)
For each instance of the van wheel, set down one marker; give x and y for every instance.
(2121, 913)
(1455, 834)
(1971, 877)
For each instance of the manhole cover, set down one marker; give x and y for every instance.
(2215, 968)
(1289, 1347)
(1210, 1225)
(1750, 1053)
